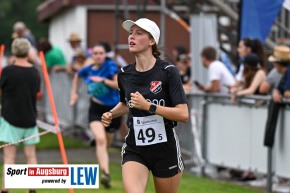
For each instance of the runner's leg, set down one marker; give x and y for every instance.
(135, 177)
(101, 145)
(167, 185)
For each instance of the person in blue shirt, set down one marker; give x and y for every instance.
(101, 79)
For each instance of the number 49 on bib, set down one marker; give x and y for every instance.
(149, 130)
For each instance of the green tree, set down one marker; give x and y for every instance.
(12, 11)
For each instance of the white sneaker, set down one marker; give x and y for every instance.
(281, 188)
(196, 170)
(211, 171)
(262, 182)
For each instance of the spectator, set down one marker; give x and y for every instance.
(75, 43)
(281, 60)
(121, 62)
(74, 40)
(247, 46)
(253, 76)
(184, 69)
(271, 82)
(20, 83)
(53, 56)
(20, 31)
(219, 77)
(80, 61)
(177, 51)
(32, 58)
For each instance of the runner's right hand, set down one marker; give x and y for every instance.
(107, 119)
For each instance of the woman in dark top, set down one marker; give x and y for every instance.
(253, 75)
(20, 84)
(151, 92)
(247, 46)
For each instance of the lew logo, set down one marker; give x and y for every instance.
(155, 86)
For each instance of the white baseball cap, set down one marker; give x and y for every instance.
(146, 24)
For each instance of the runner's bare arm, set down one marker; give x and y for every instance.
(177, 113)
(119, 110)
(74, 91)
(112, 83)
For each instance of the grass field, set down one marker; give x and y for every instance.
(49, 141)
(189, 184)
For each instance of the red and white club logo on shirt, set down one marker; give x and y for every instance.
(155, 86)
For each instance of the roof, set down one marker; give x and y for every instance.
(51, 7)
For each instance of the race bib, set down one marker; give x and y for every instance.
(149, 130)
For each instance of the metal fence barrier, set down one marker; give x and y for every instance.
(73, 119)
(232, 135)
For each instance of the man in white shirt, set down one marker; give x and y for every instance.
(220, 79)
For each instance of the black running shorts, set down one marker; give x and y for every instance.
(95, 114)
(163, 159)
